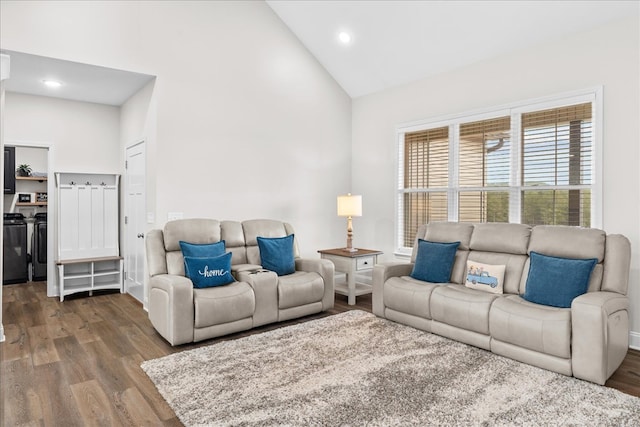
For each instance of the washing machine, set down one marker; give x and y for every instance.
(15, 265)
(39, 248)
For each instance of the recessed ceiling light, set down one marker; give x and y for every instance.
(52, 83)
(344, 37)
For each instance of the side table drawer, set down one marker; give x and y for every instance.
(364, 263)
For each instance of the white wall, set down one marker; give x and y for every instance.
(35, 157)
(608, 56)
(85, 135)
(138, 122)
(137, 117)
(249, 124)
(253, 126)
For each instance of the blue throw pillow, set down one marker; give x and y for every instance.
(557, 281)
(276, 254)
(206, 272)
(202, 250)
(434, 261)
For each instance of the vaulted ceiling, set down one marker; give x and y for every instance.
(396, 42)
(392, 42)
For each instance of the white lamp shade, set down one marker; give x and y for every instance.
(349, 205)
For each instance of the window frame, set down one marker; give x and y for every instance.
(593, 95)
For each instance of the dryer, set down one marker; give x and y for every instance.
(15, 263)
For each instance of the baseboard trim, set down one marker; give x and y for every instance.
(634, 340)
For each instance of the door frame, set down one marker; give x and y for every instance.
(126, 215)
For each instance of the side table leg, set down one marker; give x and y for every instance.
(351, 284)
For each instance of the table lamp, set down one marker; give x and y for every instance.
(350, 206)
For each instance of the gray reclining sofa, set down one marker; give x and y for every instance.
(587, 340)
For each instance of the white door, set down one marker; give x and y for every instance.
(135, 221)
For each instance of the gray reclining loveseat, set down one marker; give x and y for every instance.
(182, 313)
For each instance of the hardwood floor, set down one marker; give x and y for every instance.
(77, 363)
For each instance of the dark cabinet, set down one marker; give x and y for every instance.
(9, 170)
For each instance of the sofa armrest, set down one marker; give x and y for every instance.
(326, 270)
(171, 307)
(381, 273)
(600, 334)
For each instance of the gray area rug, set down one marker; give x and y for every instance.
(354, 369)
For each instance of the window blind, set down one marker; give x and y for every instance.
(532, 164)
(427, 158)
(556, 165)
(484, 161)
(426, 177)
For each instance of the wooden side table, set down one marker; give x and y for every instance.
(349, 263)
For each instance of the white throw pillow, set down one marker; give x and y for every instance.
(485, 277)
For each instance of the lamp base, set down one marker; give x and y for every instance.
(350, 247)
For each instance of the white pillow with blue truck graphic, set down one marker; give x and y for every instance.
(485, 277)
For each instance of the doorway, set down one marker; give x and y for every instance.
(134, 228)
(39, 186)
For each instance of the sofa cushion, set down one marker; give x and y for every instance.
(223, 304)
(299, 288)
(459, 270)
(202, 250)
(254, 228)
(499, 237)
(568, 242)
(276, 254)
(595, 281)
(408, 295)
(206, 272)
(233, 235)
(514, 267)
(536, 327)
(450, 232)
(485, 277)
(434, 261)
(194, 230)
(465, 308)
(557, 281)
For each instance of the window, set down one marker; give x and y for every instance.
(484, 170)
(556, 166)
(530, 163)
(427, 175)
